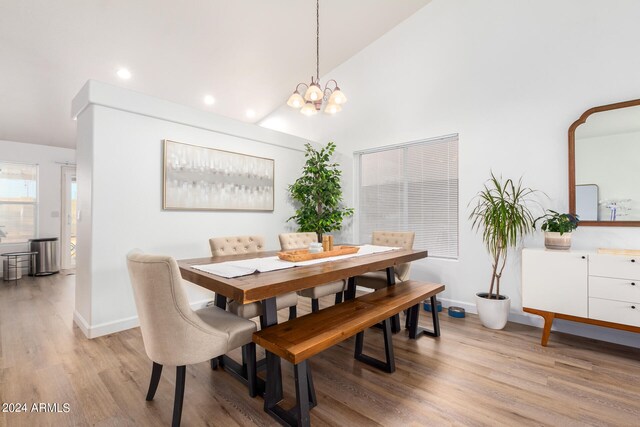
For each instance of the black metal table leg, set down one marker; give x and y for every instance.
(391, 281)
(239, 371)
(220, 302)
(350, 293)
(391, 276)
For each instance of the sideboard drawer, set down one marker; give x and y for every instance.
(625, 313)
(616, 289)
(620, 266)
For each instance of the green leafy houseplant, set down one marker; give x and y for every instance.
(503, 217)
(318, 193)
(558, 223)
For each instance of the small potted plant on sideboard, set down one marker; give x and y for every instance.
(557, 229)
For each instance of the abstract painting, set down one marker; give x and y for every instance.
(202, 178)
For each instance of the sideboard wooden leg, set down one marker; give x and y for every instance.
(548, 321)
(546, 331)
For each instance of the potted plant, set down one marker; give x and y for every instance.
(557, 229)
(503, 217)
(318, 193)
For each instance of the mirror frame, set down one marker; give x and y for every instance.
(572, 164)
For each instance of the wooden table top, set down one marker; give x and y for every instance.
(259, 286)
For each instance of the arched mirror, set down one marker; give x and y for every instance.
(604, 165)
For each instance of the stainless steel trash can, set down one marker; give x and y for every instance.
(47, 260)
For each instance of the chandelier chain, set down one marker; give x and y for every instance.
(318, 40)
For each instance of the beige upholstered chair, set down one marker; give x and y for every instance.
(173, 333)
(378, 279)
(237, 245)
(291, 241)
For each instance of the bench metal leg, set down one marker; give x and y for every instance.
(338, 298)
(315, 305)
(305, 399)
(302, 394)
(390, 364)
(313, 400)
(414, 312)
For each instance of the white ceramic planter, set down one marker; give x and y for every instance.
(553, 240)
(493, 313)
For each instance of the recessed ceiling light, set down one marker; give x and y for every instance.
(251, 114)
(124, 74)
(209, 100)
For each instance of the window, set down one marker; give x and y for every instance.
(412, 187)
(18, 202)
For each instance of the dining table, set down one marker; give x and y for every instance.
(263, 287)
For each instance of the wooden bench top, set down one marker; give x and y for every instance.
(298, 339)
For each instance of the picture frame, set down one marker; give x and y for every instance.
(203, 178)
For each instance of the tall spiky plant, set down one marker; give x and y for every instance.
(503, 217)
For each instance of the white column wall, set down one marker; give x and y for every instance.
(509, 77)
(120, 156)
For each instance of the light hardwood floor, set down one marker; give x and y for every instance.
(469, 376)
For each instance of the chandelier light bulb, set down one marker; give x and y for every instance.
(337, 97)
(295, 100)
(313, 93)
(309, 109)
(124, 74)
(332, 108)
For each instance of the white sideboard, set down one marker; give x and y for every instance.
(583, 287)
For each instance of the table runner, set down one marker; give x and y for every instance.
(245, 267)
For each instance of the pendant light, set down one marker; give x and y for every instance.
(314, 94)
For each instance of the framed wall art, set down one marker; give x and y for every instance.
(202, 178)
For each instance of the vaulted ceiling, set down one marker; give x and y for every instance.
(247, 54)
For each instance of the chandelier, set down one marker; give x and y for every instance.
(314, 94)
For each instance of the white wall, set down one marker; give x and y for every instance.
(120, 157)
(49, 183)
(510, 77)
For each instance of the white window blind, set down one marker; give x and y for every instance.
(412, 187)
(18, 202)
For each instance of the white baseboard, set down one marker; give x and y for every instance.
(81, 322)
(106, 328)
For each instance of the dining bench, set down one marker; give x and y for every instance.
(299, 339)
